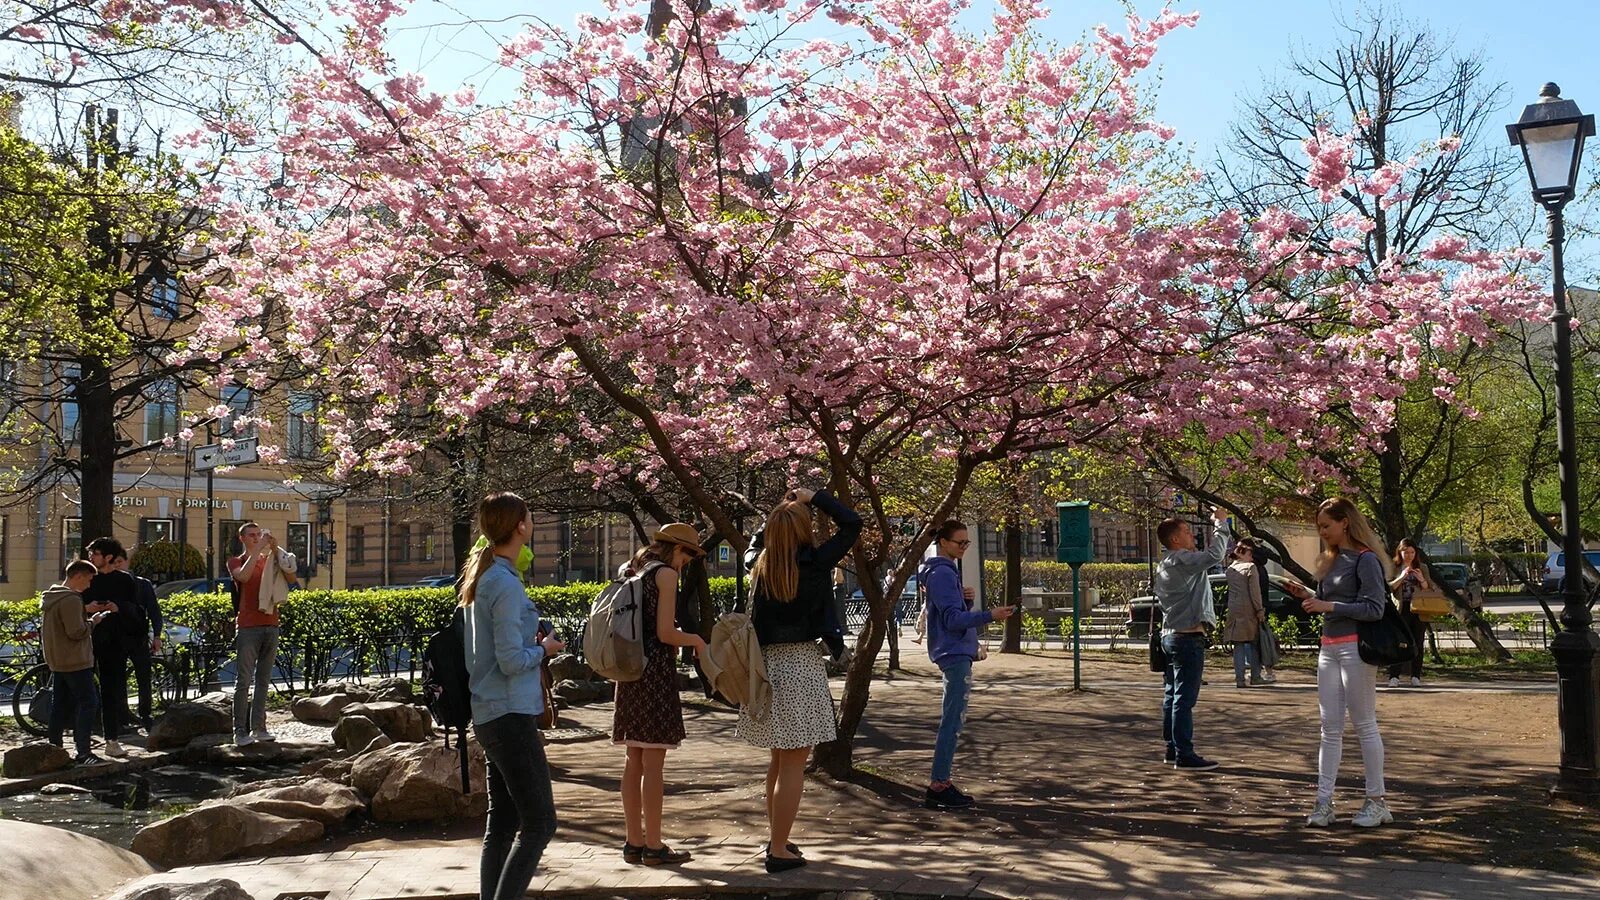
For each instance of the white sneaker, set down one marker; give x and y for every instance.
(1321, 816)
(1394, 682)
(1373, 813)
(1268, 678)
(244, 740)
(115, 749)
(1416, 682)
(264, 736)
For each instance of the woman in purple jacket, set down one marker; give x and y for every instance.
(953, 646)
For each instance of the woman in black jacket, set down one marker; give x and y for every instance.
(792, 590)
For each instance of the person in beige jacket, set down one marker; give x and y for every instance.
(69, 652)
(1246, 612)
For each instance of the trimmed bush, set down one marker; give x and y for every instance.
(167, 561)
(1118, 582)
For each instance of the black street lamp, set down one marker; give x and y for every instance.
(1551, 134)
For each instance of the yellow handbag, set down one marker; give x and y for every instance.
(1429, 605)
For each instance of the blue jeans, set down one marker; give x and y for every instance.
(1244, 654)
(1186, 660)
(522, 808)
(73, 696)
(957, 686)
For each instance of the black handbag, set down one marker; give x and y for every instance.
(1388, 641)
(1158, 654)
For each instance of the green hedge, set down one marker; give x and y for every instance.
(316, 622)
(1118, 582)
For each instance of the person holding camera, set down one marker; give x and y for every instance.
(648, 718)
(1183, 589)
(261, 575)
(504, 645)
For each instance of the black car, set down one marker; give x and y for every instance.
(1278, 601)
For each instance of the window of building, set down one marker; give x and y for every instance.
(228, 539)
(240, 402)
(304, 436)
(356, 545)
(164, 295)
(160, 410)
(3, 547)
(430, 546)
(153, 530)
(71, 539)
(299, 543)
(69, 407)
(402, 543)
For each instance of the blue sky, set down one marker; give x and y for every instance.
(1238, 46)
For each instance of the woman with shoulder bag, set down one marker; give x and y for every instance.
(1405, 585)
(503, 648)
(1246, 614)
(648, 719)
(1351, 588)
(791, 587)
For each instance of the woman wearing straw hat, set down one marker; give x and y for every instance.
(791, 586)
(648, 720)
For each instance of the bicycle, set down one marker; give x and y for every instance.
(30, 706)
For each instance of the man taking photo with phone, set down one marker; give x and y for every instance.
(1183, 589)
(262, 574)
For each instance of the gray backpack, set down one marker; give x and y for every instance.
(614, 636)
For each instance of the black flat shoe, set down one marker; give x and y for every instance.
(783, 864)
(632, 854)
(767, 848)
(664, 856)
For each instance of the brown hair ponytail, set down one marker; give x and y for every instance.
(498, 518)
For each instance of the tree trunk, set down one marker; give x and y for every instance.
(837, 756)
(1013, 586)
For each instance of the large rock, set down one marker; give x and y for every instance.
(257, 754)
(400, 721)
(222, 700)
(576, 693)
(354, 733)
(34, 759)
(320, 799)
(183, 722)
(321, 710)
(213, 889)
(568, 667)
(420, 782)
(220, 830)
(331, 769)
(44, 863)
(397, 690)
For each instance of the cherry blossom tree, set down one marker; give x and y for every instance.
(759, 244)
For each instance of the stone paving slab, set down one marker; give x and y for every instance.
(963, 869)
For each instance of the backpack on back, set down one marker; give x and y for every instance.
(445, 688)
(614, 636)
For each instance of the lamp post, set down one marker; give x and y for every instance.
(1551, 134)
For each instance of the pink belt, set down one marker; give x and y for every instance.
(1341, 639)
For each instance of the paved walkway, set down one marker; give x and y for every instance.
(961, 868)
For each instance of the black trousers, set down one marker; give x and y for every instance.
(112, 665)
(73, 701)
(140, 660)
(522, 808)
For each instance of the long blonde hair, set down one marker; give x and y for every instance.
(498, 518)
(777, 569)
(1357, 531)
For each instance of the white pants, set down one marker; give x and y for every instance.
(1344, 683)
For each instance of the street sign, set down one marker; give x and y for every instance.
(1076, 545)
(210, 456)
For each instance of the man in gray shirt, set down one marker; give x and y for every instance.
(1184, 592)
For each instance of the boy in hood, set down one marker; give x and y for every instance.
(953, 646)
(69, 652)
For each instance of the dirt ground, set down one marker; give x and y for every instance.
(1469, 767)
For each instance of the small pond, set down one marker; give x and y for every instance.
(117, 806)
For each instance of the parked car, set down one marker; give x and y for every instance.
(437, 581)
(1278, 601)
(1459, 578)
(1555, 568)
(193, 586)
